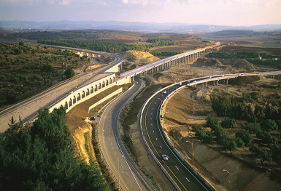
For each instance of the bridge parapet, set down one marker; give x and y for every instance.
(84, 93)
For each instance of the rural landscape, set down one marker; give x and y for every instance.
(140, 102)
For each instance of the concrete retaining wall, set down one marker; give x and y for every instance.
(106, 98)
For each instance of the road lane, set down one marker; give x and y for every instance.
(123, 168)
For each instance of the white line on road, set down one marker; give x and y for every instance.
(177, 168)
(187, 179)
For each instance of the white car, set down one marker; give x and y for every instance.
(165, 157)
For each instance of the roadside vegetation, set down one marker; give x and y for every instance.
(25, 70)
(41, 157)
(249, 123)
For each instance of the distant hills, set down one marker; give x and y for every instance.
(129, 26)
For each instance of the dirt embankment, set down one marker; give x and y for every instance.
(81, 128)
(136, 59)
(190, 106)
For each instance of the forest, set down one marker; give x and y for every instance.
(26, 70)
(250, 121)
(109, 46)
(41, 157)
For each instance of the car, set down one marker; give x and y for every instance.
(165, 157)
(165, 92)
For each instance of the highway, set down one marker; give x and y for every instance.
(114, 153)
(181, 174)
(27, 109)
(178, 170)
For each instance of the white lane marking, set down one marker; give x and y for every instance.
(160, 147)
(177, 157)
(187, 179)
(156, 138)
(177, 168)
(152, 131)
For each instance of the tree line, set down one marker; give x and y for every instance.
(108, 46)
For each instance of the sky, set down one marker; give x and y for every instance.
(212, 12)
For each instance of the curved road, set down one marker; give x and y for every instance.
(114, 153)
(177, 169)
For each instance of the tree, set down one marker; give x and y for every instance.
(269, 124)
(239, 142)
(69, 72)
(207, 137)
(228, 123)
(245, 136)
(212, 122)
(230, 144)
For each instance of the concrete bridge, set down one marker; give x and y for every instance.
(166, 63)
(68, 96)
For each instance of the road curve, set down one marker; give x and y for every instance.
(114, 153)
(178, 170)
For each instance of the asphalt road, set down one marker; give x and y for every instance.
(28, 109)
(178, 170)
(114, 153)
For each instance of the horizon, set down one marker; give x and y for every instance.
(181, 12)
(138, 22)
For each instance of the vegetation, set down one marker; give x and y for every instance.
(166, 54)
(160, 42)
(41, 157)
(258, 59)
(260, 133)
(25, 70)
(109, 46)
(246, 107)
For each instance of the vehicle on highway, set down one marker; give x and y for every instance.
(165, 92)
(165, 157)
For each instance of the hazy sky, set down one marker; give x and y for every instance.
(219, 12)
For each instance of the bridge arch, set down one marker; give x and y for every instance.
(83, 94)
(88, 92)
(66, 105)
(92, 89)
(96, 87)
(103, 84)
(74, 99)
(70, 102)
(99, 85)
(78, 97)
(110, 81)
(106, 83)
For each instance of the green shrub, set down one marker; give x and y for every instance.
(228, 123)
